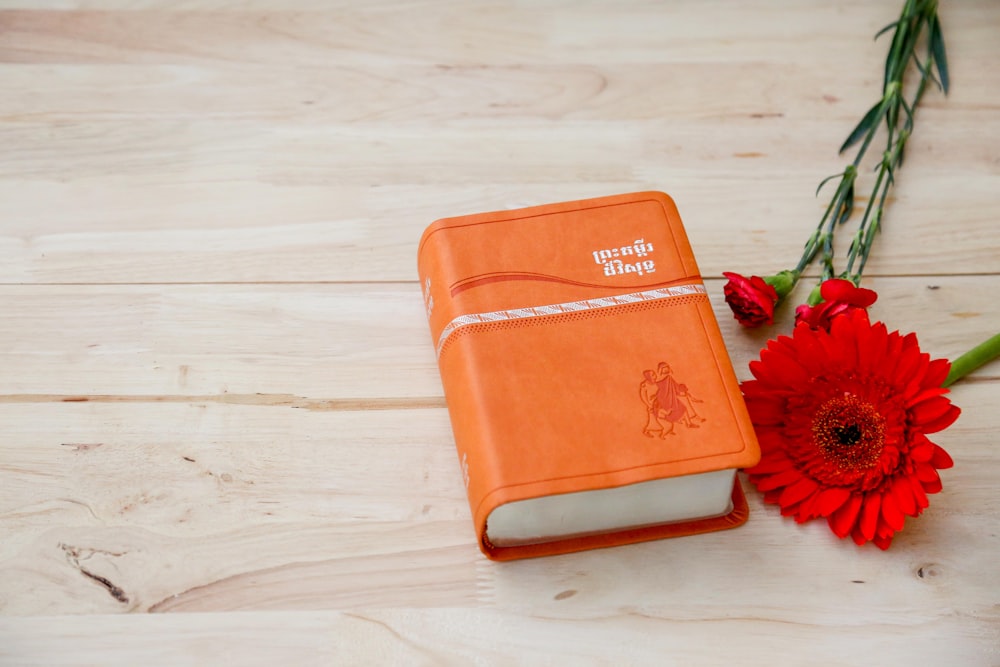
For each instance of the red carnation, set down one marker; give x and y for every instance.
(842, 417)
(751, 299)
(839, 297)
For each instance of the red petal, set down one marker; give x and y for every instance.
(857, 536)
(929, 411)
(892, 355)
(798, 491)
(836, 289)
(777, 462)
(933, 486)
(754, 367)
(909, 360)
(788, 510)
(872, 351)
(903, 493)
(925, 472)
(919, 494)
(807, 509)
(941, 460)
(865, 298)
(845, 354)
(923, 452)
(937, 371)
(810, 354)
(942, 422)
(766, 412)
(785, 345)
(831, 499)
(891, 512)
(788, 369)
(883, 536)
(784, 478)
(883, 543)
(779, 370)
(916, 378)
(843, 520)
(764, 372)
(869, 515)
(926, 394)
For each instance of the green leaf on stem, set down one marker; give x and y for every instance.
(846, 204)
(918, 25)
(909, 112)
(866, 125)
(937, 49)
(825, 181)
(886, 29)
(926, 73)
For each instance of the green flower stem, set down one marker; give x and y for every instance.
(981, 354)
(837, 211)
(871, 220)
(896, 115)
(893, 111)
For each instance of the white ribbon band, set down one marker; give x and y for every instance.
(568, 307)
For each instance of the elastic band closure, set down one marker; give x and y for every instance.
(568, 307)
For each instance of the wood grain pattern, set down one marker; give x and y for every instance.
(348, 143)
(219, 405)
(470, 636)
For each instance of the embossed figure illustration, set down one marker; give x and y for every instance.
(667, 402)
(647, 392)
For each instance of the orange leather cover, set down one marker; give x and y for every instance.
(578, 351)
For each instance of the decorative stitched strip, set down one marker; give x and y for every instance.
(569, 307)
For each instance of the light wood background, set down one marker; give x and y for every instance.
(218, 397)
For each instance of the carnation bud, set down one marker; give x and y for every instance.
(783, 282)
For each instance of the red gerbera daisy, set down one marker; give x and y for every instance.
(842, 417)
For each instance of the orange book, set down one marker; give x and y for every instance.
(590, 393)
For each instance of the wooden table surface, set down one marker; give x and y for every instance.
(222, 433)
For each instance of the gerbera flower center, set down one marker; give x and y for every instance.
(848, 435)
(850, 432)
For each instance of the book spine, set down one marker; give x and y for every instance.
(437, 273)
